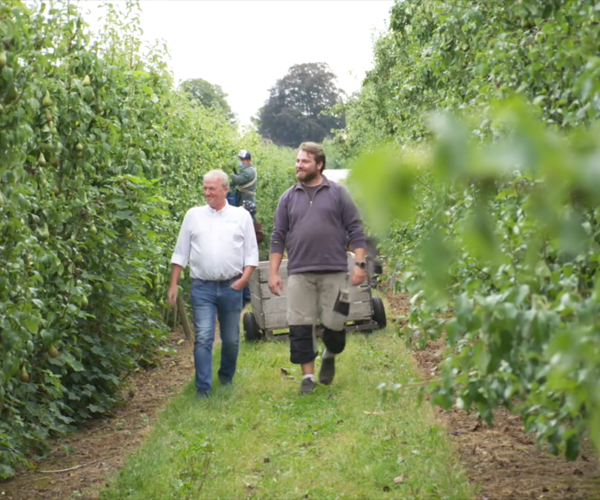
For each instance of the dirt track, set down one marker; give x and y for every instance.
(503, 459)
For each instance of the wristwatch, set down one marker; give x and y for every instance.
(362, 265)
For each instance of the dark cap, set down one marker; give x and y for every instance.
(244, 155)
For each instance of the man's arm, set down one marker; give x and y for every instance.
(250, 252)
(244, 177)
(258, 230)
(356, 236)
(278, 238)
(275, 283)
(360, 254)
(351, 222)
(245, 279)
(179, 259)
(172, 293)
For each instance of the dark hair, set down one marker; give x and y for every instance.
(316, 150)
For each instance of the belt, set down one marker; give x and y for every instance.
(234, 278)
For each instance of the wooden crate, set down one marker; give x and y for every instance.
(270, 310)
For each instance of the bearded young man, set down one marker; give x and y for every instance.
(219, 243)
(314, 221)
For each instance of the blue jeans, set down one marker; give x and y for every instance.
(211, 299)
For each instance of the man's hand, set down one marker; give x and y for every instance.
(172, 295)
(239, 284)
(358, 276)
(275, 284)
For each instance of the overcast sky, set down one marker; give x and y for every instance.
(245, 46)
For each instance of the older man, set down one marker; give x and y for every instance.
(219, 243)
(314, 222)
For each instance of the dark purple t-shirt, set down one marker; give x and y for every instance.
(316, 227)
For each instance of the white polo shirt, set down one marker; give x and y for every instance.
(217, 244)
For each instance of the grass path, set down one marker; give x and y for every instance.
(261, 439)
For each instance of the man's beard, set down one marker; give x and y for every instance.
(309, 176)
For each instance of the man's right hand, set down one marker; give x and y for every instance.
(172, 295)
(275, 284)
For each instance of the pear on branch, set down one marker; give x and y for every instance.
(47, 101)
(11, 93)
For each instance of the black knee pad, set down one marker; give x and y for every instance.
(302, 344)
(335, 341)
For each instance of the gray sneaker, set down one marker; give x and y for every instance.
(308, 385)
(327, 371)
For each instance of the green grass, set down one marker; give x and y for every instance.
(260, 439)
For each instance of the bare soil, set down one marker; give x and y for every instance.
(80, 464)
(502, 459)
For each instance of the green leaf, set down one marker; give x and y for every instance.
(542, 270)
(32, 324)
(481, 356)
(572, 448)
(71, 361)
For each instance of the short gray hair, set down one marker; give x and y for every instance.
(217, 173)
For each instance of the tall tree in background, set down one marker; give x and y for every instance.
(207, 94)
(293, 112)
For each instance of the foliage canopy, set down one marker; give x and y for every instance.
(465, 54)
(296, 109)
(207, 94)
(100, 158)
(491, 222)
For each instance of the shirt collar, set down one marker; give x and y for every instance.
(325, 182)
(213, 211)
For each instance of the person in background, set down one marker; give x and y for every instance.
(218, 242)
(314, 222)
(245, 180)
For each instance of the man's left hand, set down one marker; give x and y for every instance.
(239, 284)
(358, 276)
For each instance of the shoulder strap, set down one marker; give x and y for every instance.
(248, 184)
